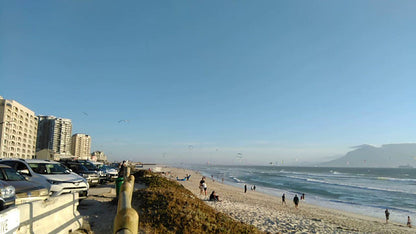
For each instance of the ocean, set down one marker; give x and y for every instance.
(366, 191)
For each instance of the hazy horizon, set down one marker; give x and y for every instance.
(219, 81)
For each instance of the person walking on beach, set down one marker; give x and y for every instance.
(245, 188)
(409, 223)
(302, 197)
(296, 201)
(387, 215)
(201, 185)
(254, 187)
(283, 199)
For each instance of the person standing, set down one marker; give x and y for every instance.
(254, 187)
(296, 201)
(387, 213)
(122, 168)
(245, 188)
(409, 223)
(205, 188)
(201, 185)
(283, 199)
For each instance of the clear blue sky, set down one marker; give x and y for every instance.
(202, 81)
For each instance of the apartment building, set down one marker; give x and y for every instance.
(81, 146)
(98, 156)
(18, 130)
(55, 135)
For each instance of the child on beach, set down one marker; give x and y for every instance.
(283, 199)
(387, 215)
(409, 223)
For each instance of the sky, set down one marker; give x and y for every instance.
(220, 82)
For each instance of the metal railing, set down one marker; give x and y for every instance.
(127, 219)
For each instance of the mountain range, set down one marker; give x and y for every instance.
(388, 155)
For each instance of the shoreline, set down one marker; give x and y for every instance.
(268, 214)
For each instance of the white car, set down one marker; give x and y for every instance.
(53, 175)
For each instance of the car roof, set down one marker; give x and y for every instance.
(28, 160)
(40, 161)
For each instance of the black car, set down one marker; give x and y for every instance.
(79, 167)
(7, 195)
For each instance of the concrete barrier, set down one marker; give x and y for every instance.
(127, 219)
(55, 215)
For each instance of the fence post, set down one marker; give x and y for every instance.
(127, 219)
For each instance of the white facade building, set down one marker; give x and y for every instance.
(81, 146)
(18, 130)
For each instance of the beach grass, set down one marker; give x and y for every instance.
(166, 206)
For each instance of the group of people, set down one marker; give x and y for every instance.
(203, 190)
(253, 188)
(387, 213)
(295, 199)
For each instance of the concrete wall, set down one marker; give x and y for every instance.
(55, 215)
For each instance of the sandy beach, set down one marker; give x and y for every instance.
(267, 212)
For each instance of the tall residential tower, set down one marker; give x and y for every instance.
(54, 134)
(81, 146)
(18, 130)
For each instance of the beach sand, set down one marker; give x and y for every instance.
(268, 214)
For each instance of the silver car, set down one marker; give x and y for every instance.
(26, 191)
(53, 175)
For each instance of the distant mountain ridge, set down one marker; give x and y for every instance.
(388, 155)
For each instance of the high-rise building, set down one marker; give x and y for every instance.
(81, 146)
(18, 130)
(55, 135)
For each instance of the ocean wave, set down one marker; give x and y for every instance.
(236, 179)
(396, 179)
(360, 186)
(329, 174)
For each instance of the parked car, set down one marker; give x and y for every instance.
(25, 191)
(7, 195)
(81, 168)
(110, 173)
(53, 175)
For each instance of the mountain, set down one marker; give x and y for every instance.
(389, 155)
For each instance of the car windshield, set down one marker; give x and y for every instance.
(89, 166)
(10, 174)
(48, 168)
